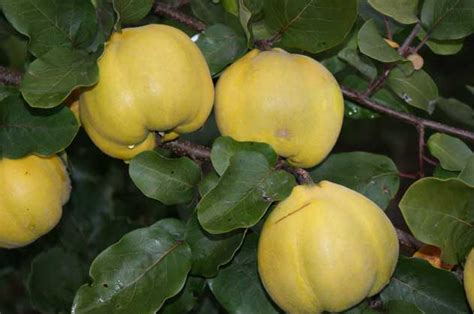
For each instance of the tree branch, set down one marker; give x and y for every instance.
(365, 101)
(407, 240)
(172, 12)
(10, 76)
(187, 148)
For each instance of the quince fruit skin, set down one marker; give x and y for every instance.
(325, 248)
(151, 78)
(32, 192)
(289, 101)
(469, 278)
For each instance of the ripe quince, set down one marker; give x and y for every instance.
(152, 78)
(32, 192)
(289, 101)
(325, 248)
(469, 278)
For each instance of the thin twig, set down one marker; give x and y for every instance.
(173, 13)
(430, 161)
(10, 76)
(405, 117)
(421, 150)
(410, 176)
(407, 240)
(405, 47)
(387, 28)
(187, 148)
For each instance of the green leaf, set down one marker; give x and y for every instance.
(440, 173)
(367, 12)
(138, 273)
(210, 251)
(221, 45)
(170, 181)
(54, 75)
(442, 47)
(131, 11)
(248, 9)
(24, 130)
(244, 193)
(402, 307)
(105, 15)
(52, 23)
(54, 277)
(372, 44)
(432, 290)
(450, 151)
(225, 147)
(403, 11)
(456, 110)
(361, 63)
(185, 301)
(212, 13)
(448, 19)
(374, 176)
(418, 89)
(440, 213)
(310, 25)
(467, 174)
(231, 6)
(237, 287)
(208, 183)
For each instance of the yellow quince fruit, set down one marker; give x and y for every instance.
(32, 192)
(152, 78)
(289, 101)
(469, 278)
(325, 248)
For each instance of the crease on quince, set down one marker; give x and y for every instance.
(152, 79)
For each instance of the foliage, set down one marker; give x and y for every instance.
(176, 231)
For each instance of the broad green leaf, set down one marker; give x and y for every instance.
(24, 130)
(310, 25)
(440, 173)
(213, 13)
(367, 12)
(432, 290)
(372, 44)
(467, 174)
(402, 307)
(168, 180)
(374, 176)
(225, 147)
(451, 152)
(138, 273)
(362, 64)
(442, 47)
(456, 110)
(244, 193)
(248, 9)
(53, 76)
(54, 277)
(130, 11)
(440, 213)
(208, 183)
(52, 23)
(448, 19)
(231, 6)
(210, 251)
(221, 45)
(187, 299)
(105, 15)
(470, 89)
(418, 89)
(237, 287)
(403, 11)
